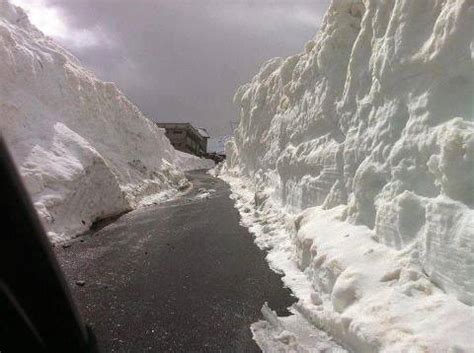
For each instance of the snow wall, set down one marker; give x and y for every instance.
(367, 140)
(84, 150)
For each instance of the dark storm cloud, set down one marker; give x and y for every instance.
(182, 60)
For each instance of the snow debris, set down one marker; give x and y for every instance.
(204, 193)
(84, 150)
(353, 164)
(216, 170)
(292, 334)
(159, 197)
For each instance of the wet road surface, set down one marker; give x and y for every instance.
(181, 276)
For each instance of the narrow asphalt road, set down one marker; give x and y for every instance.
(182, 276)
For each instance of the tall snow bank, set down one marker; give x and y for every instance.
(84, 150)
(368, 133)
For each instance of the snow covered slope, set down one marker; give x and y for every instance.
(84, 150)
(364, 144)
(186, 161)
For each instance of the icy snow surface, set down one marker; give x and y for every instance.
(84, 150)
(353, 164)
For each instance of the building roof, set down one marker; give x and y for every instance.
(198, 131)
(203, 132)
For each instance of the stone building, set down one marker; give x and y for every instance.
(186, 138)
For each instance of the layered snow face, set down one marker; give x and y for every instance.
(84, 150)
(368, 133)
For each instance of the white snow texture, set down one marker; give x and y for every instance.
(362, 148)
(84, 150)
(186, 161)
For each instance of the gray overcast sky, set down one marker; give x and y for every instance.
(179, 60)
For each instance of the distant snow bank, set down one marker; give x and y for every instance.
(356, 159)
(84, 150)
(186, 161)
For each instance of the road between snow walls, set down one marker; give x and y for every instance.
(84, 150)
(352, 165)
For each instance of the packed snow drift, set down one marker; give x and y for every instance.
(353, 163)
(186, 161)
(84, 150)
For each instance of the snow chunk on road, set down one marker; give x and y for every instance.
(204, 193)
(84, 150)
